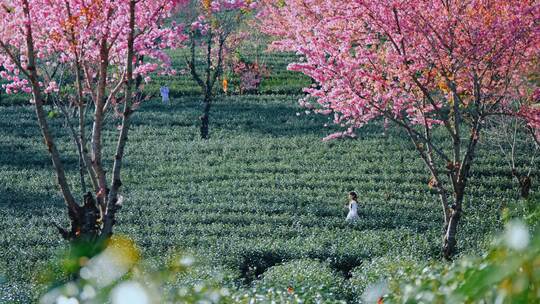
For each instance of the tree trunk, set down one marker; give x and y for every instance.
(42, 121)
(450, 242)
(450, 236)
(205, 118)
(86, 223)
(525, 183)
(86, 219)
(96, 156)
(113, 203)
(447, 211)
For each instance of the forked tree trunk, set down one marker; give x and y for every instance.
(92, 222)
(85, 220)
(205, 117)
(450, 249)
(86, 223)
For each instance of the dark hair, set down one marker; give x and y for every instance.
(353, 195)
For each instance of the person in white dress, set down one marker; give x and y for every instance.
(352, 216)
(165, 95)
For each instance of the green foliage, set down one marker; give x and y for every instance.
(53, 114)
(309, 280)
(508, 273)
(280, 81)
(529, 210)
(381, 270)
(13, 100)
(263, 191)
(117, 275)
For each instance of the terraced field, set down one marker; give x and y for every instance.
(263, 190)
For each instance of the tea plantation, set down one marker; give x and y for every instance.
(263, 196)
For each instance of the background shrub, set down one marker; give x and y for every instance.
(307, 279)
(381, 270)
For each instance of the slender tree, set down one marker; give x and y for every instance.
(423, 65)
(215, 22)
(99, 46)
(520, 147)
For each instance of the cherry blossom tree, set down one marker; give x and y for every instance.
(214, 23)
(100, 47)
(424, 65)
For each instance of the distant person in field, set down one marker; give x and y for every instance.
(165, 95)
(353, 207)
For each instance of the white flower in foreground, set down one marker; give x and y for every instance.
(130, 293)
(187, 261)
(517, 236)
(110, 265)
(61, 295)
(66, 300)
(88, 293)
(374, 292)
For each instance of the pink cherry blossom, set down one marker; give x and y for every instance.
(66, 30)
(409, 60)
(420, 64)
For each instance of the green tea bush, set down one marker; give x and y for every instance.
(310, 280)
(263, 191)
(528, 210)
(118, 275)
(508, 273)
(13, 100)
(381, 270)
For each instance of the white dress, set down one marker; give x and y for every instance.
(164, 95)
(353, 212)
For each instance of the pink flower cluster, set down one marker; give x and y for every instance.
(339, 135)
(412, 61)
(251, 75)
(200, 25)
(70, 31)
(16, 85)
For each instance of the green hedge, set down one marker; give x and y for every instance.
(309, 280)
